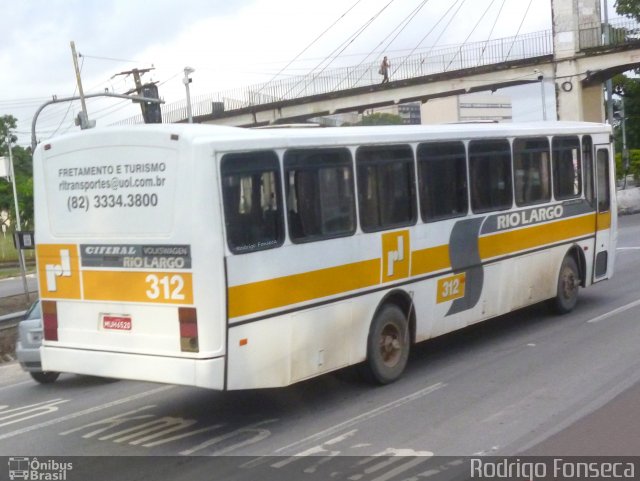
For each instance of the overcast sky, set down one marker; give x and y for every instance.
(229, 43)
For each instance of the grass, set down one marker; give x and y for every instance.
(9, 265)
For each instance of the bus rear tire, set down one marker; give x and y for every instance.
(45, 377)
(387, 346)
(568, 286)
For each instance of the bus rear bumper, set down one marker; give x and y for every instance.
(206, 373)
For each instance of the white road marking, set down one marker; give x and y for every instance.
(364, 416)
(260, 434)
(22, 413)
(626, 307)
(315, 450)
(628, 248)
(397, 460)
(92, 410)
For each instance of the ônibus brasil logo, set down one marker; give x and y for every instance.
(32, 469)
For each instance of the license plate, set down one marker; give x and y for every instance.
(116, 323)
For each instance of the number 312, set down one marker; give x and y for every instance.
(165, 287)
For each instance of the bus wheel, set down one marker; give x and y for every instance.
(387, 345)
(45, 377)
(568, 286)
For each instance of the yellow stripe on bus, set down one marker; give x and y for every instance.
(429, 260)
(136, 286)
(261, 296)
(604, 221)
(270, 294)
(535, 236)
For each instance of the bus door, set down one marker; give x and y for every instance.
(603, 213)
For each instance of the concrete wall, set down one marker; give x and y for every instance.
(574, 102)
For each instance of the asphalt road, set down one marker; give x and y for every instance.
(529, 382)
(14, 285)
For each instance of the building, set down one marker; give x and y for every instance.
(467, 108)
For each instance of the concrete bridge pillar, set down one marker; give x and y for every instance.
(572, 21)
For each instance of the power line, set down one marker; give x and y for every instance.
(492, 28)
(518, 32)
(69, 106)
(342, 47)
(308, 46)
(471, 33)
(430, 31)
(111, 59)
(406, 20)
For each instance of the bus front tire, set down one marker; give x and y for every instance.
(45, 377)
(387, 346)
(568, 286)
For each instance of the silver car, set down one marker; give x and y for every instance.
(28, 346)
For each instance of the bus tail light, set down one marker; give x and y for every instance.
(188, 329)
(50, 320)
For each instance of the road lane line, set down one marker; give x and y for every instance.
(626, 307)
(628, 248)
(92, 410)
(364, 416)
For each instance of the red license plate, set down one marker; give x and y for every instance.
(116, 323)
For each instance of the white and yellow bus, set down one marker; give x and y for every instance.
(233, 258)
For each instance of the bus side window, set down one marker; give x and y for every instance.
(604, 195)
(490, 171)
(320, 194)
(252, 201)
(532, 171)
(587, 161)
(567, 169)
(442, 175)
(386, 192)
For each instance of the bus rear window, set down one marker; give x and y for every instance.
(252, 201)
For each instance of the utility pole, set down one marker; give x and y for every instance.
(137, 78)
(83, 119)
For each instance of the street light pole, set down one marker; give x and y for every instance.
(186, 81)
(23, 270)
(608, 83)
(625, 151)
(55, 100)
(543, 97)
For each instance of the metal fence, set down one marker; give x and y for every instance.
(433, 61)
(622, 31)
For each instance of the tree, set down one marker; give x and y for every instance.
(634, 164)
(23, 168)
(628, 8)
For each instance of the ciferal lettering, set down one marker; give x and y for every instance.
(110, 250)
